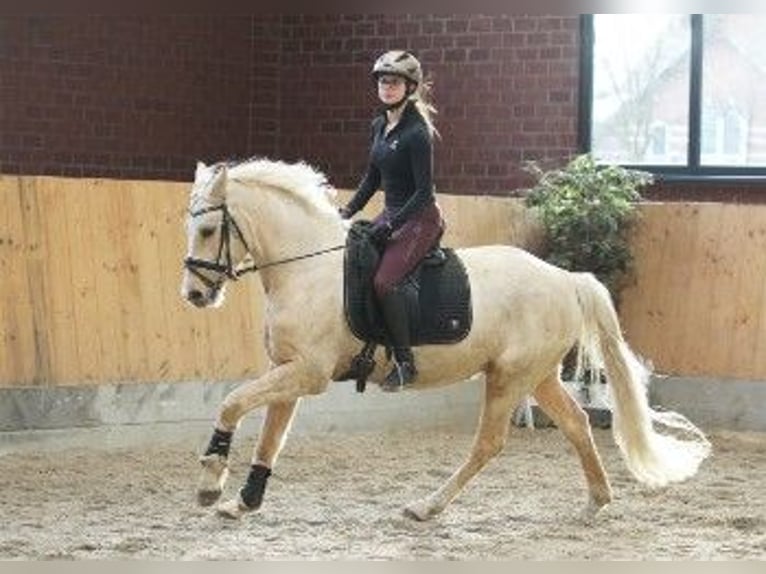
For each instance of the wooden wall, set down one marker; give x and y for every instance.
(90, 275)
(698, 303)
(90, 289)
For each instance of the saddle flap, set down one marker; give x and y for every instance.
(438, 293)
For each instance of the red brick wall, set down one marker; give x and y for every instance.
(505, 88)
(139, 97)
(145, 97)
(265, 86)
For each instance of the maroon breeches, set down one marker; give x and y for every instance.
(407, 247)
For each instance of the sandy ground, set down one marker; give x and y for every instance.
(341, 497)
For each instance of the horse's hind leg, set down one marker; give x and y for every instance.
(568, 416)
(499, 398)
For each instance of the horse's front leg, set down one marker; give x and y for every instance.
(279, 388)
(272, 437)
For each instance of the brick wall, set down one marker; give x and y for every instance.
(144, 97)
(139, 97)
(505, 88)
(265, 86)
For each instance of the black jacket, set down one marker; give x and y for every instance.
(401, 163)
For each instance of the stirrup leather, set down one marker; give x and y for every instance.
(361, 367)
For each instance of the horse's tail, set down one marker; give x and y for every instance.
(654, 459)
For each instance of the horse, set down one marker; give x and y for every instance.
(279, 219)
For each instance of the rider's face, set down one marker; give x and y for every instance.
(391, 88)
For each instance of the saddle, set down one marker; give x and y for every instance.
(437, 291)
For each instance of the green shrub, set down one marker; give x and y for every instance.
(587, 210)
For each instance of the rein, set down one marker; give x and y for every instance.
(223, 263)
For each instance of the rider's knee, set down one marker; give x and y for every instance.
(383, 286)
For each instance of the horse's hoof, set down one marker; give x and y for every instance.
(208, 497)
(591, 510)
(233, 509)
(215, 471)
(420, 511)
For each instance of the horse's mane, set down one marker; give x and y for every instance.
(300, 179)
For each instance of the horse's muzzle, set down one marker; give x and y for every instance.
(196, 298)
(200, 298)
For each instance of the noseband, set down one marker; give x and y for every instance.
(223, 264)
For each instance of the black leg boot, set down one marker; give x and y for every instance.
(394, 307)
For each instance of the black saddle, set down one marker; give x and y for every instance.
(437, 291)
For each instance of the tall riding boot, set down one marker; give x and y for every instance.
(394, 307)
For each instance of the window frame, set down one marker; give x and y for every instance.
(693, 170)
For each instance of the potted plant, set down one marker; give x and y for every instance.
(586, 211)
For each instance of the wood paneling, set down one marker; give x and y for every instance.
(17, 327)
(697, 306)
(476, 220)
(90, 284)
(91, 274)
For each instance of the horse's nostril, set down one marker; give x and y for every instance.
(195, 295)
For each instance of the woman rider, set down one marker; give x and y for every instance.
(410, 225)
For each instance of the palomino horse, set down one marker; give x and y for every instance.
(527, 314)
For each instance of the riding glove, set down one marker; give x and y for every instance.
(380, 232)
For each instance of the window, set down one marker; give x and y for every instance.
(723, 136)
(658, 141)
(675, 93)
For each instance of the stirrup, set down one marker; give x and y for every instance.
(361, 367)
(401, 376)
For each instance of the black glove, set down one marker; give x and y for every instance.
(344, 212)
(380, 232)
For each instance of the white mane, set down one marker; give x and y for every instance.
(299, 178)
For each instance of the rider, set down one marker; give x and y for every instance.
(410, 225)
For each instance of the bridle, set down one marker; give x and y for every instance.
(223, 264)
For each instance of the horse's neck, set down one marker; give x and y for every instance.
(282, 229)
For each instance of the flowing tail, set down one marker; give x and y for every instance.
(654, 459)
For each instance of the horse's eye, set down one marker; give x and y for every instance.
(206, 232)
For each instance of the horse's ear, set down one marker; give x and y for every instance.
(201, 168)
(218, 190)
